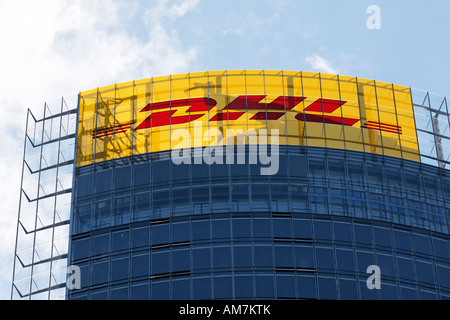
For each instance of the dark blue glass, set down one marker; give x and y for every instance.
(181, 260)
(119, 268)
(140, 264)
(141, 174)
(181, 289)
(306, 287)
(243, 287)
(201, 259)
(223, 288)
(285, 286)
(160, 234)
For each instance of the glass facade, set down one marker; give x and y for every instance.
(363, 179)
(154, 230)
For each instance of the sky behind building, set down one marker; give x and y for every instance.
(54, 48)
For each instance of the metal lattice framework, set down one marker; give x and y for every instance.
(40, 257)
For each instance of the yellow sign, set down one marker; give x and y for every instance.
(307, 109)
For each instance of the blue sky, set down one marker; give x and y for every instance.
(52, 48)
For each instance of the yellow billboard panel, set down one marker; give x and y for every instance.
(306, 109)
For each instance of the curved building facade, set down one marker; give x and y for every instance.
(261, 185)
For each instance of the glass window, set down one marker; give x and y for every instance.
(122, 210)
(221, 229)
(322, 230)
(402, 240)
(284, 257)
(285, 286)
(382, 237)
(366, 293)
(327, 288)
(181, 201)
(201, 230)
(302, 229)
(306, 287)
(261, 228)
(362, 234)
(386, 264)
(241, 228)
(80, 248)
(140, 237)
(139, 291)
(119, 268)
(242, 256)
(219, 170)
(84, 186)
(200, 200)
(200, 171)
(345, 260)
(100, 273)
(364, 259)
(142, 206)
(160, 234)
(408, 293)
(140, 265)
(304, 257)
(441, 248)
(280, 197)
(405, 268)
(297, 166)
(120, 240)
(100, 244)
(263, 256)
(180, 172)
(282, 228)
(425, 272)
(202, 288)
(264, 286)
(389, 292)
(240, 198)
(103, 181)
(299, 197)
(83, 218)
(422, 244)
(181, 289)
(342, 231)
(122, 177)
(160, 290)
(443, 273)
(260, 197)
(161, 204)
(181, 260)
(201, 258)
(325, 258)
(160, 262)
(180, 232)
(103, 213)
(221, 257)
(220, 198)
(348, 289)
(161, 172)
(223, 288)
(141, 174)
(243, 286)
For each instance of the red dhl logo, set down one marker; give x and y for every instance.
(161, 117)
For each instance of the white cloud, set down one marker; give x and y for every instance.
(320, 64)
(52, 48)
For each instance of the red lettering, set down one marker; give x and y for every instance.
(165, 118)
